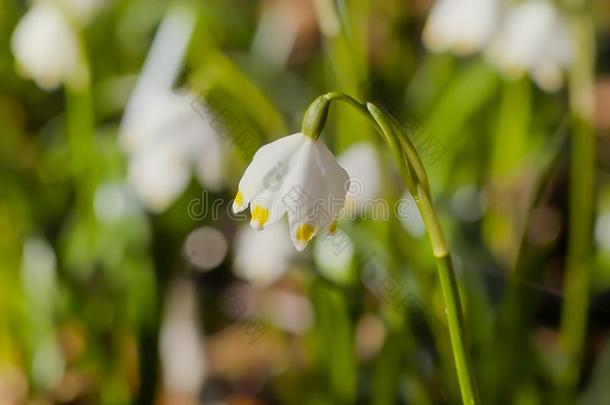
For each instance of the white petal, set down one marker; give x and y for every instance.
(153, 101)
(165, 114)
(462, 26)
(522, 36)
(46, 48)
(536, 39)
(206, 149)
(159, 174)
(164, 59)
(268, 168)
(314, 193)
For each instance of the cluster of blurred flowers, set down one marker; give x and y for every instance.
(532, 36)
(162, 133)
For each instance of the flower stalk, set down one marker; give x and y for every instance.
(416, 181)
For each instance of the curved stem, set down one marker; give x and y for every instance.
(354, 103)
(410, 165)
(383, 128)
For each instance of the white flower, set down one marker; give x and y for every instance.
(166, 144)
(298, 176)
(39, 271)
(167, 133)
(362, 164)
(47, 49)
(262, 257)
(534, 38)
(461, 26)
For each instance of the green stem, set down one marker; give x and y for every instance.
(582, 191)
(357, 105)
(383, 127)
(416, 181)
(451, 296)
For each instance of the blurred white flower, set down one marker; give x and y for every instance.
(176, 140)
(38, 272)
(180, 342)
(534, 38)
(276, 33)
(48, 362)
(461, 26)
(362, 164)
(47, 49)
(164, 133)
(296, 175)
(262, 257)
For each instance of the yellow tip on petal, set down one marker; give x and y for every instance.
(260, 215)
(332, 228)
(238, 203)
(303, 235)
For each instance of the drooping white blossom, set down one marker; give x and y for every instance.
(165, 133)
(534, 39)
(47, 49)
(176, 140)
(461, 26)
(298, 176)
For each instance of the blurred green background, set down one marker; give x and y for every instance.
(124, 277)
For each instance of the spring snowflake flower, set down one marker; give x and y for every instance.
(535, 38)
(461, 26)
(47, 48)
(298, 176)
(164, 132)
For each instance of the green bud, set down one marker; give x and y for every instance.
(315, 117)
